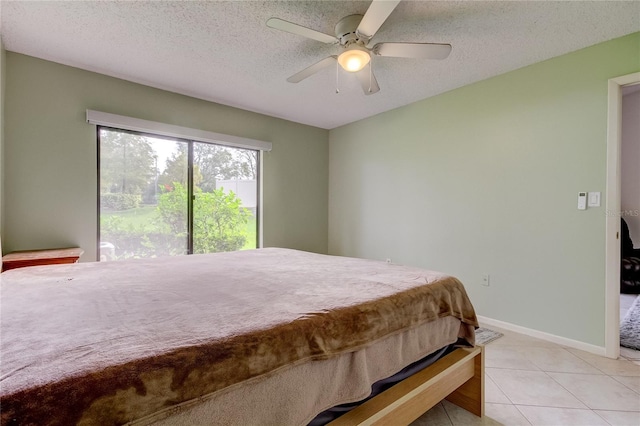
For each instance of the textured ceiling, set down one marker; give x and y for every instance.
(222, 51)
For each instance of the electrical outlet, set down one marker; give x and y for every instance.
(485, 280)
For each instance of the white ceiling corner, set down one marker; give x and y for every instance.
(222, 51)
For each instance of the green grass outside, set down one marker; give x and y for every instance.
(146, 215)
(252, 241)
(142, 216)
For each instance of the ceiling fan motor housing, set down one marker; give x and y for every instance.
(346, 30)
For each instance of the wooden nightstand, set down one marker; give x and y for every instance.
(21, 259)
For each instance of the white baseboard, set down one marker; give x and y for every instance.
(587, 347)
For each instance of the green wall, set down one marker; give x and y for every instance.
(50, 173)
(484, 180)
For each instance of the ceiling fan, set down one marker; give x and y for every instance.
(353, 33)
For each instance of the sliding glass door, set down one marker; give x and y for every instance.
(164, 197)
(225, 201)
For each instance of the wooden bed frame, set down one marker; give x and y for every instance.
(458, 378)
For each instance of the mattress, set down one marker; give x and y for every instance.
(295, 395)
(110, 343)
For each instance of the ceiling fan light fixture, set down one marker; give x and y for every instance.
(354, 59)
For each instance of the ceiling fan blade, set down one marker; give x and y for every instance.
(292, 28)
(413, 50)
(374, 17)
(368, 81)
(309, 71)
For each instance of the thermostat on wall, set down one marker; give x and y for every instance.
(582, 200)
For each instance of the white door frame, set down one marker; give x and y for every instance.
(613, 211)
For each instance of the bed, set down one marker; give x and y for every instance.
(267, 336)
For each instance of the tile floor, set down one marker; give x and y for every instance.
(534, 382)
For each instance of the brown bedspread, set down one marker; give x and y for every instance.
(107, 343)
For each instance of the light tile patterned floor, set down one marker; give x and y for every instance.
(534, 382)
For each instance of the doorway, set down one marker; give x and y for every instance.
(613, 209)
(630, 213)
